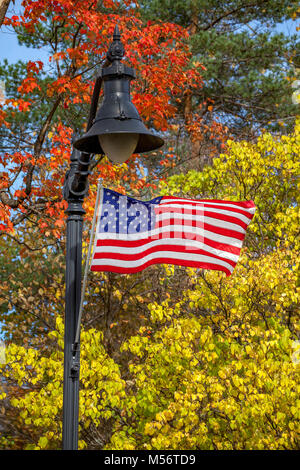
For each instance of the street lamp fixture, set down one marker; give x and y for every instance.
(117, 131)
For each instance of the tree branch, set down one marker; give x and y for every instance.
(231, 12)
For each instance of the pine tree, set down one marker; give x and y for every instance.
(249, 64)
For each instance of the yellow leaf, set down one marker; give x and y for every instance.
(43, 441)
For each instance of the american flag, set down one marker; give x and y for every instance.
(201, 233)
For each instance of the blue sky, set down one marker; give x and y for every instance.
(12, 51)
(9, 46)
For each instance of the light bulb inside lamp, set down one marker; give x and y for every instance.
(118, 147)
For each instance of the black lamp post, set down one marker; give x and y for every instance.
(117, 131)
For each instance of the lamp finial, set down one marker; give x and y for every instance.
(116, 49)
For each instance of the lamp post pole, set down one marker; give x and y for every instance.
(75, 214)
(119, 125)
(74, 191)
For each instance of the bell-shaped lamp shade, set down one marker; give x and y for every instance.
(118, 147)
(117, 129)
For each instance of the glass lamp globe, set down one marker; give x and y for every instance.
(118, 147)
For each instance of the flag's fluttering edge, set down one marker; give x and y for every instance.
(201, 233)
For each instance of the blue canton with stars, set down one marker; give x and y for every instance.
(123, 214)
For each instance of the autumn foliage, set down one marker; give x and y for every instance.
(78, 37)
(171, 358)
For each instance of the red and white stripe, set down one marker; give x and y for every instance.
(205, 234)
